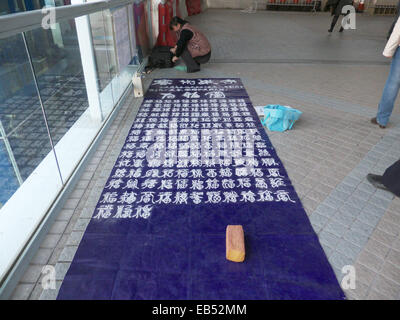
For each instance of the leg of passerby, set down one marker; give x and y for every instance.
(389, 181)
(389, 93)
(334, 20)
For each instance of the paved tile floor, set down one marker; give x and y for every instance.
(336, 80)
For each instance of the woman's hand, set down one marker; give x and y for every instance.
(173, 50)
(174, 59)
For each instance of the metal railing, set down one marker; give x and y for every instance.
(294, 5)
(382, 7)
(12, 24)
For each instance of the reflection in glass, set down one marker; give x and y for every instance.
(24, 141)
(58, 68)
(141, 28)
(9, 182)
(30, 143)
(15, 6)
(120, 39)
(122, 50)
(18, 97)
(104, 67)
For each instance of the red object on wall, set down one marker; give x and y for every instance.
(170, 10)
(162, 26)
(360, 7)
(189, 7)
(197, 6)
(178, 10)
(171, 36)
(295, 1)
(165, 37)
(193, 7)
(138, 12)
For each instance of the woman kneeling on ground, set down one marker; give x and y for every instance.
(192, 46)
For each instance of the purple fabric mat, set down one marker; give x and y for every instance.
(158, 231)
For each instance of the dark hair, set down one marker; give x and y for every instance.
(175, 21)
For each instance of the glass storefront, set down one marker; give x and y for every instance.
(32, 120)
(58, 86)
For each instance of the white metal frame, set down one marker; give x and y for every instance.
(12, 24)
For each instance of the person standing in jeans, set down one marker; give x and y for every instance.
(192, 46)
(392, 85)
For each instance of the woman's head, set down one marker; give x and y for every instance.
(176, 23)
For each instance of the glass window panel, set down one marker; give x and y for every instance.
(30, 143)
(24, 140)
(8, 177)
(58, 67)
(104, 66)
(18, 96)
(116, 29)
(141, 28)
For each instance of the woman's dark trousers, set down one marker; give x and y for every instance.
(193, 64)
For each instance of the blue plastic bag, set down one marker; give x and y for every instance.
(280, 118)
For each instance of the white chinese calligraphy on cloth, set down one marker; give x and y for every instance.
(194, 141)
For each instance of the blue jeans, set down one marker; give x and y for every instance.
(390, 91)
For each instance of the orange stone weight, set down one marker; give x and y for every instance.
(235, 243)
